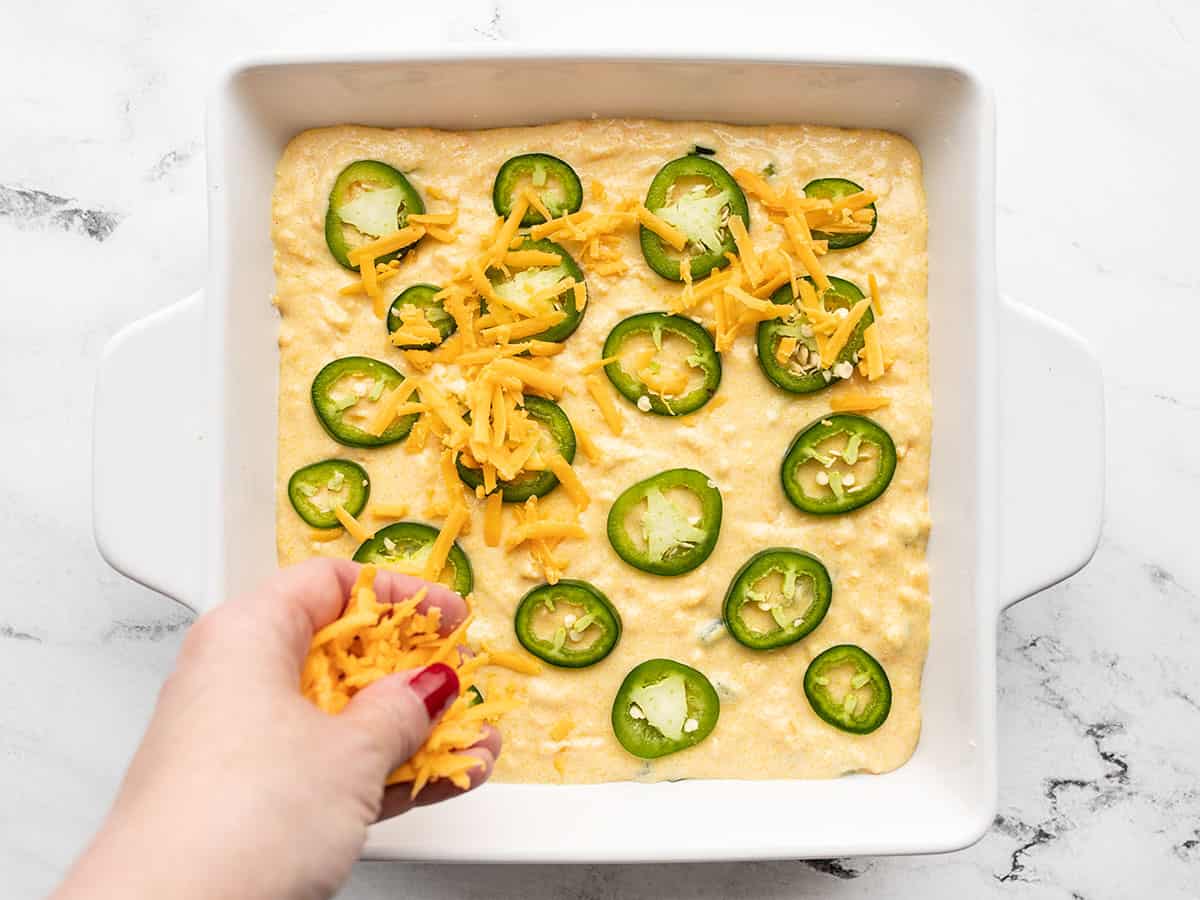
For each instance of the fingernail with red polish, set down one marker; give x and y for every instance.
(437, 686)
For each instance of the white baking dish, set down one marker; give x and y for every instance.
(184, 467)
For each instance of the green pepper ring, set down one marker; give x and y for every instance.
(516, 166)
(759, 566)
(421, 296)
(365, 170)
(575, 593)
(816, 432)
(567, 326)
(823, 704)
(844, 295)
(632, 388)
(333, 420)
(691, 166)
(537, 484)
(416, 534)
(642, 739)
(710, 521)
(834, 188)
(356, 480)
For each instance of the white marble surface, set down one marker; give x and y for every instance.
(102, 220)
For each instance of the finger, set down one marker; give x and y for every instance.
(395, 587)
(397, 712)
(490, 741)
(398, 798)
(300, 600)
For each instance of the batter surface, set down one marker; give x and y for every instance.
(875, 556)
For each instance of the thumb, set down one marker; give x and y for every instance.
(399, 710)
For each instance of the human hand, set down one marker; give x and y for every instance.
(241, 787)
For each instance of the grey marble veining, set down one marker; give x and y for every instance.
(102, 221)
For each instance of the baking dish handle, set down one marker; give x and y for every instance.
(1051, 450)
(149, 454)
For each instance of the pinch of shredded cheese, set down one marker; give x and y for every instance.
(372, 640)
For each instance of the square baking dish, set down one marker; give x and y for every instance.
(1003, 377)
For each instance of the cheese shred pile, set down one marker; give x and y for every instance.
(371, 640)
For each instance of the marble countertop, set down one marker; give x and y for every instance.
(102, 221)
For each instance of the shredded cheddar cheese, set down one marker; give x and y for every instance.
(445, 540)
(389, 510)
(746, 252)
(569, 480)
(597, 364)
(353, 527)
(873, 348)
(842, 334)
(856, 401)
(514, 662)
(372, 640)
(390, 243)
(385, 412)
(523, 259)
(662, 228)
(492, 519)
(587, 443)
(434, 218)
(325, 535)
(603, 398)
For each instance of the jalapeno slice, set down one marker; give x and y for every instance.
(344, 394)
(835, 189)
(696, 195)
(420, 296)
(649, 530)
(776, 598)
(525, 283)
(837, 464)
(570, 624)
(316, 490)
(803, 371)
(663, 707)
(406, 545)
(681, 386)
(474, 695)
(369, 199)
(848, 688)
(554, 181)
(559, 436)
